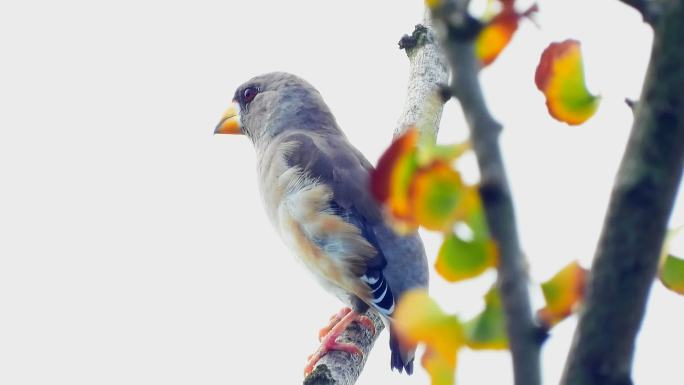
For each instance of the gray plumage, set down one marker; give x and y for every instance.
(315, 186)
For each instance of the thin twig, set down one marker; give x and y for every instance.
(457, 31)
(627, 255)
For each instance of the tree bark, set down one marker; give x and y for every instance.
(628, 252)
(457, 30)
(341, 368)
(427, 72)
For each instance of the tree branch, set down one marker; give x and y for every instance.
(647, 8)
(627, 255)
(342, 368)
(427, 71)
(457, 31)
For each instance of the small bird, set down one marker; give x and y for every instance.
(315, 186)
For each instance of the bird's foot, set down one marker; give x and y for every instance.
(334, 320)
(328, 336)
(337, 317)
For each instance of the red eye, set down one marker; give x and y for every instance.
(249, 94)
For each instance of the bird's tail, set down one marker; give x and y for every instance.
(402, 356)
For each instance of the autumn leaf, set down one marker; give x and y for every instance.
(417, 185)
(429, 152)
(672, 274)
(498, 32)
(433, 4)
(439, 197)
(671, 270)
(418, 319)
(459, 259)
(487, 330)
(563, 292)
(560, 76)
(390, 181)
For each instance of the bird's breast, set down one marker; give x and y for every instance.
(298, 206)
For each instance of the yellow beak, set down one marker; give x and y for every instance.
(230, 123)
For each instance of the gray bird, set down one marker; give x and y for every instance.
(315, 186)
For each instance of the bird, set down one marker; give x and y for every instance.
(315, 188)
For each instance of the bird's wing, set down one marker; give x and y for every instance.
(335, 163)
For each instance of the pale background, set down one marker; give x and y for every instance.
(133, 245)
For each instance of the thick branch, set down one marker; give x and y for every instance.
(647, 8)
(427, 71)
(458, 31)
(626, 259)
(341, 368)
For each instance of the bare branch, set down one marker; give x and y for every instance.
(342, 368)
(427, 71)
(457, 31)
(627, 255)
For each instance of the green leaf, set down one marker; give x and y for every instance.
(459, 259)
(672, 274)
(487, 330)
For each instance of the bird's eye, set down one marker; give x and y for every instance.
(249, 94)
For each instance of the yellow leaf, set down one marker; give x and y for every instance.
(563, 292)
(560, 76)
(418, 319)
(432, 4)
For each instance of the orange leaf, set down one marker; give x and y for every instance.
(390, 181)
(382, 176)
(563, 292)
(560, 76)
(498, 32)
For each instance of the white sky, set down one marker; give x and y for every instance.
(133, 245)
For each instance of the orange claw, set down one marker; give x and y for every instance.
(328, 336)
(334, 319)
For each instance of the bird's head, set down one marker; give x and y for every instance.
(270, 104)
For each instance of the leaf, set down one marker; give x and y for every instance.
(672, 274)
(429, 152)
(487, 330)
(459, 259)
(671, 270)
(390, 181)
(418, 319)
(560, 76)
(498, 32)
(381, 177)
(439, 198)
(433, 4)
(417, 185)
(563, 293)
